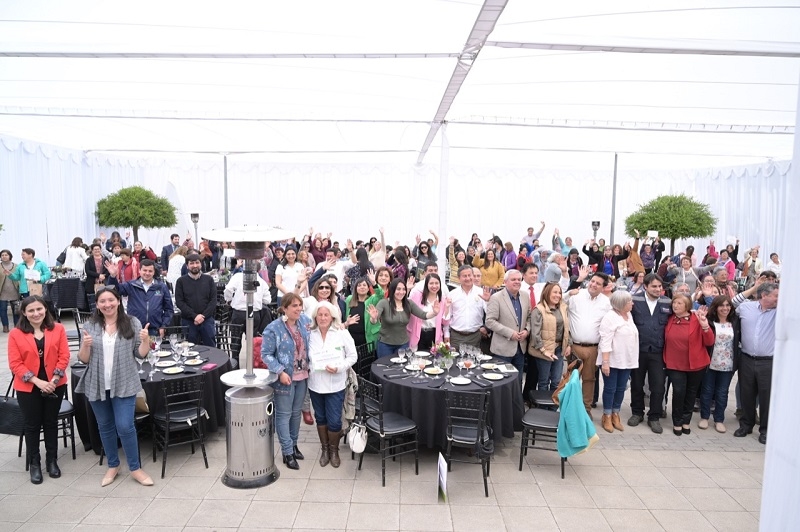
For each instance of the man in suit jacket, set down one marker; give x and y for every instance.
(168, 250)
(508, 316)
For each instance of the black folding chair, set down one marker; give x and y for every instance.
(366, 356)
(74, 338)
(387, 426)
(542, 424)
(179, 420)
(467, 414)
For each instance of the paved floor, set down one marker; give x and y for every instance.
(634, 480)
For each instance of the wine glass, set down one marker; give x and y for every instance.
(152, 357)
(173, 341)
(421, 363)
(155, 343)
(469, 361)
(460, 365)
(140, 361)
(448, 363)
(462, 349)
(176, 356)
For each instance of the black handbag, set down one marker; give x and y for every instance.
(12, 421)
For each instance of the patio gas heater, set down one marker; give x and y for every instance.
(249, 412)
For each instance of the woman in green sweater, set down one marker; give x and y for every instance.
(394, 313)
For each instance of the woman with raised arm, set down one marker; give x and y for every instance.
(424, 334)
(394, 314)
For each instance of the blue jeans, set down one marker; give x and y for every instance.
(287, 415)
(328, 409)
(384, 350)
(202, 334)
(518, 361)
(115, 419)
(715, 386)
(614, 389)
(550, 371)
(4, 313)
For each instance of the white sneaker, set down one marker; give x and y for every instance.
(703, 424)
(720, 427)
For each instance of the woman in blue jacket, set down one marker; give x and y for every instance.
(284, 349)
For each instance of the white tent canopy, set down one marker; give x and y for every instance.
(519, 83)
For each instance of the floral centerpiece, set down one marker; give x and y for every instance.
(442, 350)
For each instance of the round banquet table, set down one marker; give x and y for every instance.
(213, 394)
(427, 406)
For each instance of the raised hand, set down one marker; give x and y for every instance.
(437, 306)
(418, 239)
(486, 294)
(373, 313)
(371, 276)
(583, 273)
(87, 340)
(380, 230)
(144, 334)
(112, 268)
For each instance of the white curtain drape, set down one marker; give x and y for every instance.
(49, 196)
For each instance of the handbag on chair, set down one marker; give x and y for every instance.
(12, 421)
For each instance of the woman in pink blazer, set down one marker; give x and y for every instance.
(424, 334)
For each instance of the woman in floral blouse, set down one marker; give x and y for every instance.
(717, 380)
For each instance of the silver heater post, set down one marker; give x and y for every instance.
(250, 278)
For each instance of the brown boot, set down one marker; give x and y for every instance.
(333, 447)
(616, 422)
(5, 328)
(324, 458)
(607, 426)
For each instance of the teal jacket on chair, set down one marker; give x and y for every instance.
(576, 432)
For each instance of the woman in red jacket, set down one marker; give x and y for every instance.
(686, 339)
(38, 355)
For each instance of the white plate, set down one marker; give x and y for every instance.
(398, 360)
(484, 357)
(434, 371)
(193, 353)
(173, 371)
(493, 376)
(194, 362)
(165, 363)
(488, 366)
(460, 380)
(187, 344)
(163, 354)
(423, 354)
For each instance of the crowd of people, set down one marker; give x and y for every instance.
(629, 312)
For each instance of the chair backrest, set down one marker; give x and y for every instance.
(80, 318)
(371, 401)
(467, 412)
(224, 334)
(366, 356)
(185, 392)
(181, 331)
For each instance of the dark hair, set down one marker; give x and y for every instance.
(400, 256)
(115, 234)
(95, 245)
(193, 256)
(285, 261)
(29, 251)
(606, 279)
(288, 299)
(528, 266)
(425, 290)
(10, 255)
(392, 289)
(384, 269)
(486, 258)
(126, 251)
(715, 304)
(76, 242)
(124, 324)
(354, 298)
(690, 250)
(24, 325)
(147, 262)
(650, 277)
(769, 274)
(331, 294)
(363, 260)
(173, 235)
(335, 251)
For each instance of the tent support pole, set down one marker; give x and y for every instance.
(613, 202)
(225, 184)
(444, 173)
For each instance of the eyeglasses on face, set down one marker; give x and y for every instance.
(324, 287)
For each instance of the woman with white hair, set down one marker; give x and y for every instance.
(619, 345)
(331, 351)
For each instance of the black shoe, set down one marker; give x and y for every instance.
(297, 454)
(594, 405)
(36, 470)
(677, 432)
(762, 438)
(634, 420)
(52, 469)
(686, 431)
(290, 461)
(741, 432)
(664, 414)
(655, 426)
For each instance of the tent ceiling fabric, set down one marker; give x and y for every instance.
(316, 79)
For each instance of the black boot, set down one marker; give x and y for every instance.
(52, 468)
(36, 469)
(297, 454)
(288, 459)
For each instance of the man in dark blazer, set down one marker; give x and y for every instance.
(650, 312)
(508, 316)
(168, 250)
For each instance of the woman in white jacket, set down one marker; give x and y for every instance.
(331, 351)
(76, 256)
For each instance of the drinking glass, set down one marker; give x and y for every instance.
(460, 365)
(155, 343)
(140, 361)
(448, 363)
(421, 363)
(469, 361)
(173, 341)
(176, 356)
(152, 358)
